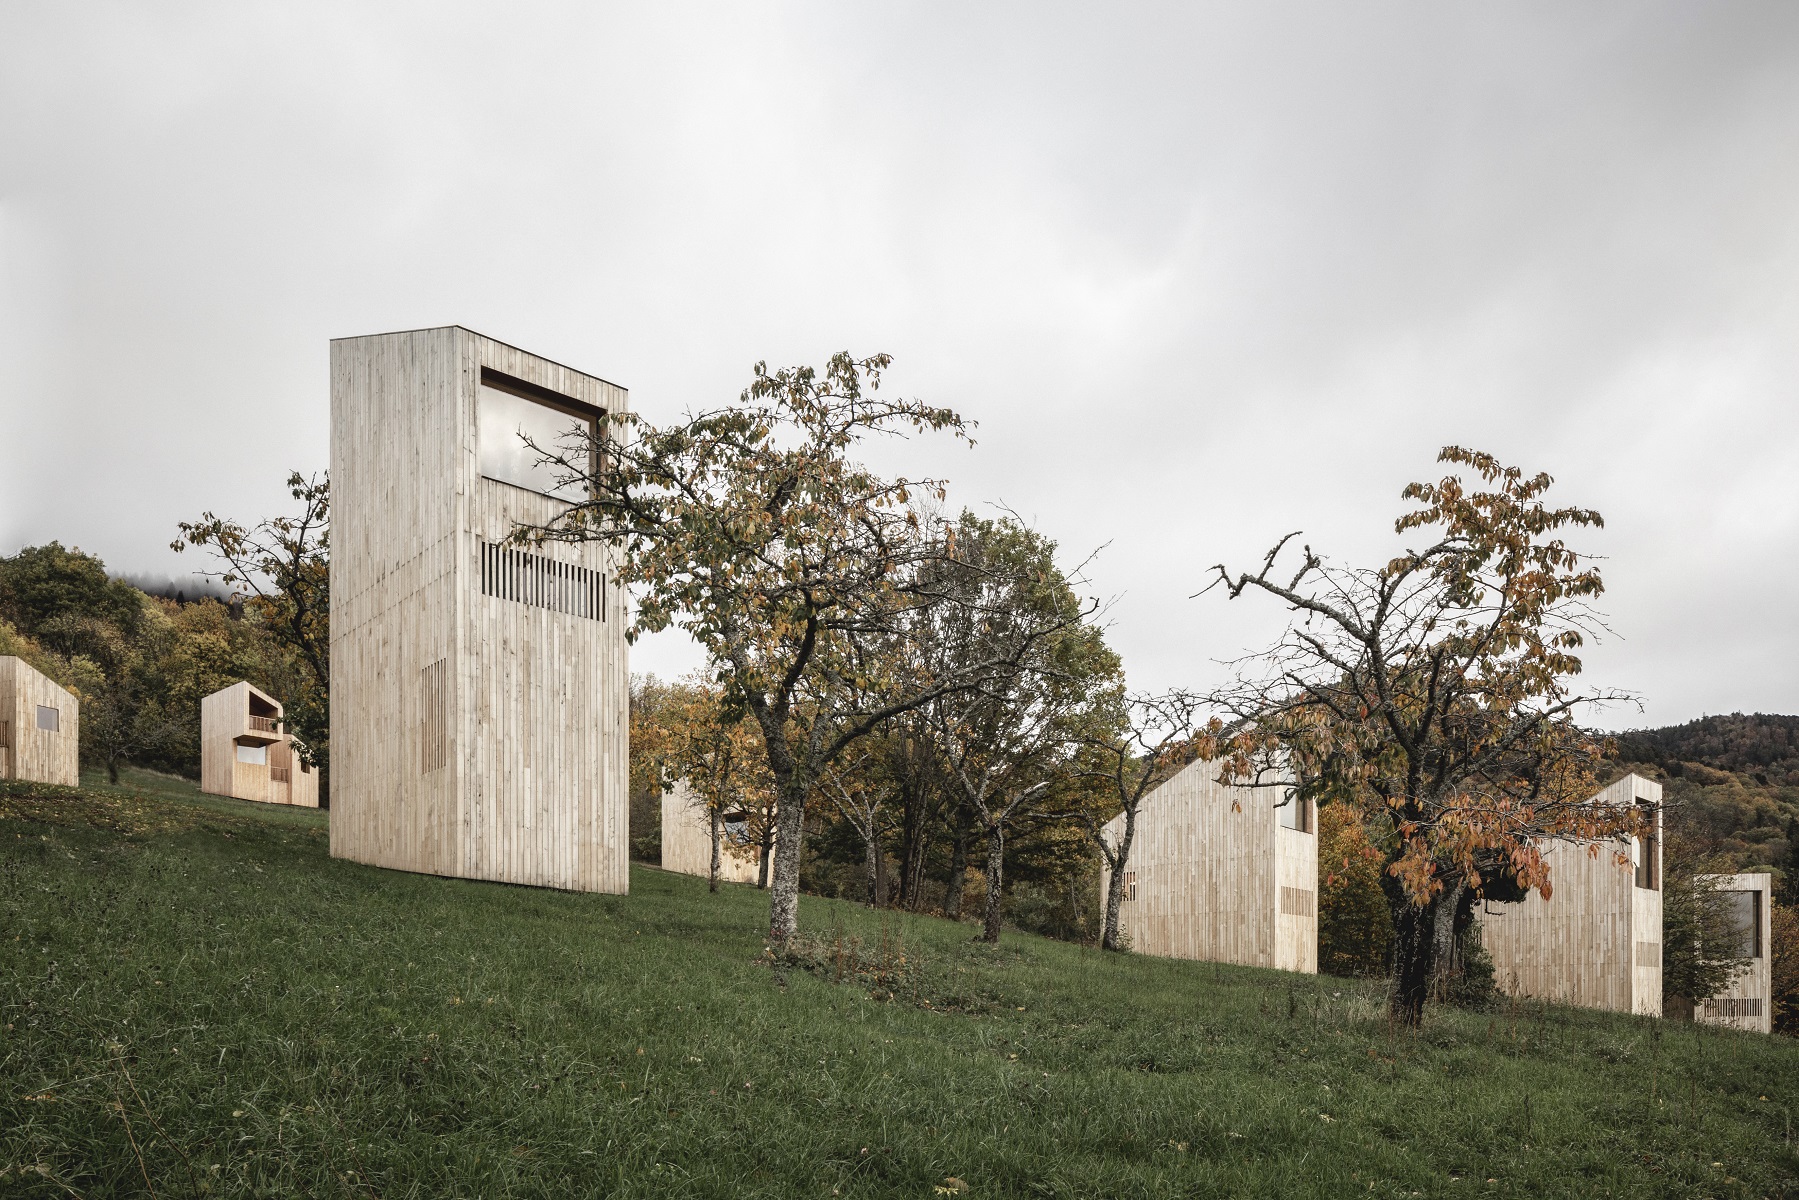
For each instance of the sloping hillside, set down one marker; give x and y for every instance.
(196, 999)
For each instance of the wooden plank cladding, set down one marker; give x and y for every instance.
(479, 690)
(1597, 942)
(1222, 874)
(40, 726)
(247, 753)
(687, 840)
(513, 574)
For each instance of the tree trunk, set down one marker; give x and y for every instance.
(713, 809)
(1414, 949)
(958, 869)
(790, 824)
(1115, 885)
(996, 870)
(1443, 939)
(871, 862)
(112, 769)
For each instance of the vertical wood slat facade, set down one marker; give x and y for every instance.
(28, 748)
(687, 841)
(1748, 1001)
(1597, 942)
(245, 715)
(479, 690)
(1217, 877)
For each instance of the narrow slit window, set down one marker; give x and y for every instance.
(434, 718)
(1649, 873)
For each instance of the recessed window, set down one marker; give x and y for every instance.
(1296, 813)
(257, 755)
(1745, 923)
(509, 423)
(49, 718)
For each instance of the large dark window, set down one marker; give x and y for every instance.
(512, 417)
(1745, 923)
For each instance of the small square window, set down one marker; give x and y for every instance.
(49, 718)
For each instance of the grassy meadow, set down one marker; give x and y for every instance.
(196, 1000)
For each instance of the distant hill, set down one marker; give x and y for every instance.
(1731, 784)
(1763, 746)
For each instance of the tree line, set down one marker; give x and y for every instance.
(898, 697)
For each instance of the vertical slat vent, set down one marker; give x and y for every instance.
(434, 717)
(512, 574)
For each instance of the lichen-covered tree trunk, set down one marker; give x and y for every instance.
(790, 825)
(996, 878)
(1115, 884)
(716, 853)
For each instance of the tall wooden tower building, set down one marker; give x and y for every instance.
(479, 691)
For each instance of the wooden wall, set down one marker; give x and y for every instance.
(224, 721)
(472, 735)
(30, 752)
(1597, 942)
(1748, 1003)
(687, 841)
(1217, 878)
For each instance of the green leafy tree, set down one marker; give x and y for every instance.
(281, 569)
(1436, 692)
(1699, 943)
(1014, 622)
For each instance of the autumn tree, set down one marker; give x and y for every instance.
(1436, 691)
(1354, 925)
(712, 746)
(280, 567)
(752, 527)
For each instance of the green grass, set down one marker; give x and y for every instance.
(196, 999)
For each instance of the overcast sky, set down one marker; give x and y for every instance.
(1202, 274)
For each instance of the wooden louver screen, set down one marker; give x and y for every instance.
(1296, 902)
(541, 582)
(434, 722)
(1734, 1007)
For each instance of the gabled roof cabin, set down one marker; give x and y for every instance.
(40, 726)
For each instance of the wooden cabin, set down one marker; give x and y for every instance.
(1221, 874)
(478, 688)
(246, 751)
(40, 726)
(1748, 1003)
(1597, 941)
(687, 839)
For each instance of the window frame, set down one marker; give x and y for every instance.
(524, 389)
